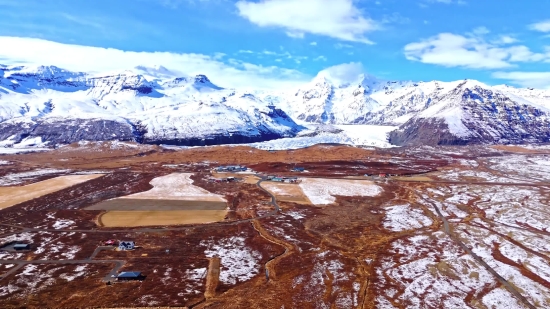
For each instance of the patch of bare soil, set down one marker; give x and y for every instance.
(159, 218)
(10, 196)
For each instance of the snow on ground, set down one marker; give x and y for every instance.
(79, 271)
(323, 191)
(501, 298)
(239, 262)
(483, 243)
(356, 135)
(404, 217)
(295, 215)
(62, 224)
(176, 186)
(433, 272)
(21, 150)
(16, 178)
(3, 162)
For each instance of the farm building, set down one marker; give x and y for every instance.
(290, 179)
(298, 169)
(130, 275)
(21, 247)
(383, 175)
(126, 245)
(277, 179)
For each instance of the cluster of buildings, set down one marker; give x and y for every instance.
(231, 169)
(123, 245)
(282, 179)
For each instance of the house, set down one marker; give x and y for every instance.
(21, 247)
(277, 179)
(270, 177)
(383, 175)
(298, 169)
(130, 275)
(126, 245)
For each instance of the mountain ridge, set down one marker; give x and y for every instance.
(153, 105)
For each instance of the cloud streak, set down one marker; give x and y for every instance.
(232, 73)
(526, 79)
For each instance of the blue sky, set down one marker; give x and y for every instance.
(277, 43)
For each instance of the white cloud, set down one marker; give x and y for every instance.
(505, 39)
(313, 43)
(470, 51)
(343, 73)
(543, 26)
(481, 31)
(339, 19)
(341, 46)
(320, 58)
(526, 79)
(234, 73)
(280, 55)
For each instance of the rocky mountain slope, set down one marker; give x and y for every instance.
(54, 106)
(49, 105)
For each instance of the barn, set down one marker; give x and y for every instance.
(21, 247)
(130, 275)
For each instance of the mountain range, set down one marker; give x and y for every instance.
(47, 105)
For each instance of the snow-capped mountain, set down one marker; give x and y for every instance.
(64, 107)
(153, 105)
(435, 112)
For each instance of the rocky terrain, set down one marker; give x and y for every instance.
(49, 106)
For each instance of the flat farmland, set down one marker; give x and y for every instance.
(127, 204)
(287, 192)
(158, 218)
(10, 196)
(173, 200)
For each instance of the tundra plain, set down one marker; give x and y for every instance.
(452, 227)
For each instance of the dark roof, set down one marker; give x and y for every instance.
(129, 274)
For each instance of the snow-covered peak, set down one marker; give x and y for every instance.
(199, 82)
(39, 72)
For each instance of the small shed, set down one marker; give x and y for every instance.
(126, 245)
(298, 169)
(21, 247)
(130, 275)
